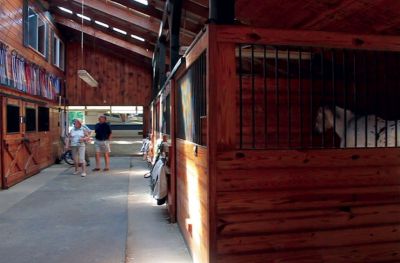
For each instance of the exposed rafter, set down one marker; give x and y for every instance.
(148, 10)
(148, 36)
(103, 36)
(148, 23)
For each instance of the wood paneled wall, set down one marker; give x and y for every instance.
(11, 32)
(314, 206)
(20, 151)
(121, 82)
(193, 198)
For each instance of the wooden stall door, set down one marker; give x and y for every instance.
(31, 139)
(19, 152)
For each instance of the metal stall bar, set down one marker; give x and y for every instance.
(300, 98)
(366, 96)
(355, 96)
(385, 93)
(345, 98)
(376, 98)
(277, 94)
(333, 59)
(253, 99)
(265, 72)
(289, 100)
(240, 97)
(311, 100)
(323, 98)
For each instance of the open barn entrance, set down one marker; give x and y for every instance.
(126, 124)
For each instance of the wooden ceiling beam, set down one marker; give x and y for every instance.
(148, 10)
(103, 36)
(195, 8)
(119, 13)
(150, 37)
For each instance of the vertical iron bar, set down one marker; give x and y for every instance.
(395, 127)
(311, 99)
(385, 93)
(301, 101)
(240, 97)
(265, 99)
(253, 99)
(322, 99)
(376, 98)
(355, 97)
(277, 95)
(345, 99)
(334, 96)
(289, 99)
(366, 96)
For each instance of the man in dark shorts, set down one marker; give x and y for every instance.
(102, 143)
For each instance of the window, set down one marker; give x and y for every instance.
(30, 119)
(44, 119)
(191, 102)
(36, 32)
(58, 52)
(13, 118)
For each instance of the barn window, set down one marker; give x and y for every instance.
(191, 102)
(30, 119)
(302, 97)
(58, 52)
(35, 31)
(13, 119)
(43, 119)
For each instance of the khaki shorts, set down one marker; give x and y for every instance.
(102, 146)
(78, 153)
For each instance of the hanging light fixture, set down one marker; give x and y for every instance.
(82, 73)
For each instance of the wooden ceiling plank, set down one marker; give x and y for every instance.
(103, 36)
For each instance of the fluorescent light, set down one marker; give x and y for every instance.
(84, 17)
(144, 2)
(65, 10)
(101, 24)
(86, 77)
(119, 30)
(138, 38)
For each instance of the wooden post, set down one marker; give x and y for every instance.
(222, 11)
(174, 28)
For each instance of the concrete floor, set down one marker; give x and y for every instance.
(105, 217)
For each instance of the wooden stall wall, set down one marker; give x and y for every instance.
(24, 153)
(190, 167)
(316, 205)
(121, 81)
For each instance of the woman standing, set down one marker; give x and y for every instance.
(78, 136)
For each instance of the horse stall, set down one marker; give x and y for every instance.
(286, 146)
(160, 120)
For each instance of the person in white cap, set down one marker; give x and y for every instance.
(77, 138)
(102, 142)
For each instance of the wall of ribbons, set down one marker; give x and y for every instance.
(18, 73)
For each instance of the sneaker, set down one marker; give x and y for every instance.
(83, 174)
(87, 164)
(75, 173)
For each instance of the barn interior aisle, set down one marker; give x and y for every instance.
(59, 217)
